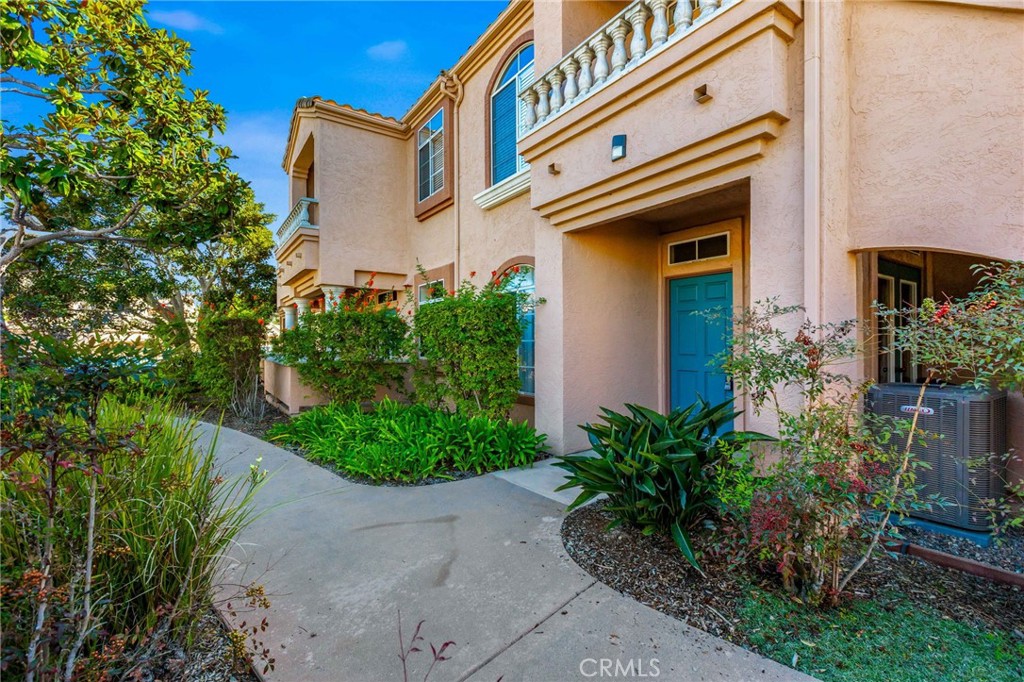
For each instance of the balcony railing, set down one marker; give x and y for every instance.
(298, 218)
(612, 51)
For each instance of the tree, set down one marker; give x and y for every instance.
(71, 289)
(119, 138)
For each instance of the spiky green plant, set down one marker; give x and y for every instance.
(656, 469)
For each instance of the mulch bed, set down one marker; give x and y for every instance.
(651, 570)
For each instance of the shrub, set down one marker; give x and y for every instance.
(468, 340)
(656, 469)
(350, 351)
(833, 461)
(227, 368)
(395, 442)
(113, 519)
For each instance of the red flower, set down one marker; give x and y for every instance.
(494, 273)
(473, 274)
(260, 321)
(515, 268)
(370, 283)
(295, 305)
(451, 292)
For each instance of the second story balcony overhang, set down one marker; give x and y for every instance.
(652, 72)
(303, 216)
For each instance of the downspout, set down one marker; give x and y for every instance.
(452, 87)
(812, 161)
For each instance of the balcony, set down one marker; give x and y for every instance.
(302, 217)
(615, 49)
(698, 90)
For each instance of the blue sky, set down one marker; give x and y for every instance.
(257, 58)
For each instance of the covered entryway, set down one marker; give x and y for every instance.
(695, 338)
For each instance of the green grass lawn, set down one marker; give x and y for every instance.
(879, 641)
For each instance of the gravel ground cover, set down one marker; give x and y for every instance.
(1006, 551)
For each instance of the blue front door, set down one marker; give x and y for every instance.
(694, 339)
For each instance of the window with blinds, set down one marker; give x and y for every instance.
(508, 115)
(431, 156)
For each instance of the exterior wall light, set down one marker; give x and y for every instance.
(701, 94)
(618, 147)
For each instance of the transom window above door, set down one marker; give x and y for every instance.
(508, 115)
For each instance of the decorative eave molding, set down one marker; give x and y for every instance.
(300, 236)
(665, 179)
(512, 21)
(509, 188)
(327, 110)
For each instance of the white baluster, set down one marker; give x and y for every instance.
(600, 44)
(707, 8)
(569, 69)
(555, 78)
(683, 16)
(585, 57)
(638, 20)
(618, 33)
(530, 97)
(542, 88)
(659, 27)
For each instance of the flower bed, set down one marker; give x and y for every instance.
(905, 615)
(408, 443)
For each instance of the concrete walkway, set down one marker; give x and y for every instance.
(479, 560)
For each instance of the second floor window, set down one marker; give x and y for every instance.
(431, 156)
(508, 115)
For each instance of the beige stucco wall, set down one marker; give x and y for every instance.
(360, 177)
(855, 125)
(285, 391)
(937, 130)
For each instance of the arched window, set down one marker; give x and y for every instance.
(519, 278)
(508, 115)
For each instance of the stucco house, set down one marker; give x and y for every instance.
(650, 158)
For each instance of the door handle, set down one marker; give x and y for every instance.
(728, 385)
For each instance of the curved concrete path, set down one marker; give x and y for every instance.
(479, 560)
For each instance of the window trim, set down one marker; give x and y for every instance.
(420, 300)
(695, 241)
(510, 52)
(442, 198)
(525, 398)
(429, 144)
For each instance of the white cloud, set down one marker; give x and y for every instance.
(388, 51)
(183, 20)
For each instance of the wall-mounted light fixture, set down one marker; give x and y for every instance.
(618, 147)
(701, 93)
(554, 168)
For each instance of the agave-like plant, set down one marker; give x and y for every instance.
(656, 469)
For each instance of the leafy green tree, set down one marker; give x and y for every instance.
(122, 150)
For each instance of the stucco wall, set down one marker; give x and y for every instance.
(611, 317)
(361, 177)
(284, 389)
(937, 153)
